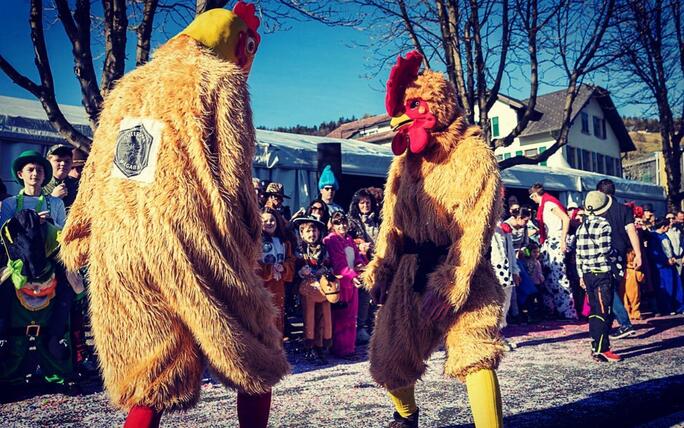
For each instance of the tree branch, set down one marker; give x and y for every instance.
(144, 32)
(115, 27)
(202, 6)
(19, 78)
(78, 31)
(409, 27)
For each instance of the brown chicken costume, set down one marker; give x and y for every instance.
(167, 222)
(430, 271)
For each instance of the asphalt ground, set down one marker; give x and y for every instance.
(550, 380)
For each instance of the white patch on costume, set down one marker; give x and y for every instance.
(137, 148)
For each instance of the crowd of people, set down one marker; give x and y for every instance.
(602, 261)
(311, 262)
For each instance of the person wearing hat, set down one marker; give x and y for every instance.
(624, 236)
(33, 172)
(327, 186)
(79, 160)
(595, 262)
(275, 194)
(61, 186)
(313, 263)
(35, 305)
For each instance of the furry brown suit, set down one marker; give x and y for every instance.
(172, 262)
(446, 194)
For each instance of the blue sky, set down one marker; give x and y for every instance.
(305, 75)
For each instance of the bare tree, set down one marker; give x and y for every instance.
(650, 47)
(120, 17)
(479, 42)
(577, 37)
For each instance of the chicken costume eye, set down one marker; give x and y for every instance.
(251, 45)
(414, 104)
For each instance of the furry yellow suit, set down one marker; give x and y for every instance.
(440, 208)
(171, 256)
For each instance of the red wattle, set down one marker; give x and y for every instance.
(400, 142)
(418, 139)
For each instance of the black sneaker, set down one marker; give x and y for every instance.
(320, 353)
(623, 332)
(401, 422)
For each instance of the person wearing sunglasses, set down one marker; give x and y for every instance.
(328, 185)
(348, 263)
(317, 208)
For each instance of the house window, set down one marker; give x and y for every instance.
(570, 156)
(586, 160)
(519, 153)
(541, 149)
(506, 155)
(610, 165)
(599, 164)
(603, 128)
(495, 126)
(594, 162)
(499, 158)
(585, 123)
(530, 152)
(599, 127)
(618, 168)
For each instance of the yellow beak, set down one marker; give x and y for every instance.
(399, 121)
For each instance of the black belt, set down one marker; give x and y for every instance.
(429, 256)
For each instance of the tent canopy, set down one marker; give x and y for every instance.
(291, 158)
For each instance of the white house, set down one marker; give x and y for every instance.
(596, 138)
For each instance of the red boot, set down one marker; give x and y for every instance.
(142, 417)
(253, 410)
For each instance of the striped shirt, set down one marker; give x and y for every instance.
(595, 252)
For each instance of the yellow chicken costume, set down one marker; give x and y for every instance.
(167, 222)
(430, 272)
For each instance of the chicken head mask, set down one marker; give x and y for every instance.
(418, 103)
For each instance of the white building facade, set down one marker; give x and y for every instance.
(596, 138)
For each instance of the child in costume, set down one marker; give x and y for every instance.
(313, 264)
(430, 272)
(506, 268)
(276, 265)
(168, 225)
(531, 300)
(35, 296)
(629, 288)
(348, 263)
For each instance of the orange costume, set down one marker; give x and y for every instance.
(172, 245)
(629, 291)
(440, 209)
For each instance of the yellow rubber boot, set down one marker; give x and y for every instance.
(404, 400)
(485, 398)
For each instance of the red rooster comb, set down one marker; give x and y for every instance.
(246, 12)
(402, 74)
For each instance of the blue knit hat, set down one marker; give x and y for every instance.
(328, 179)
